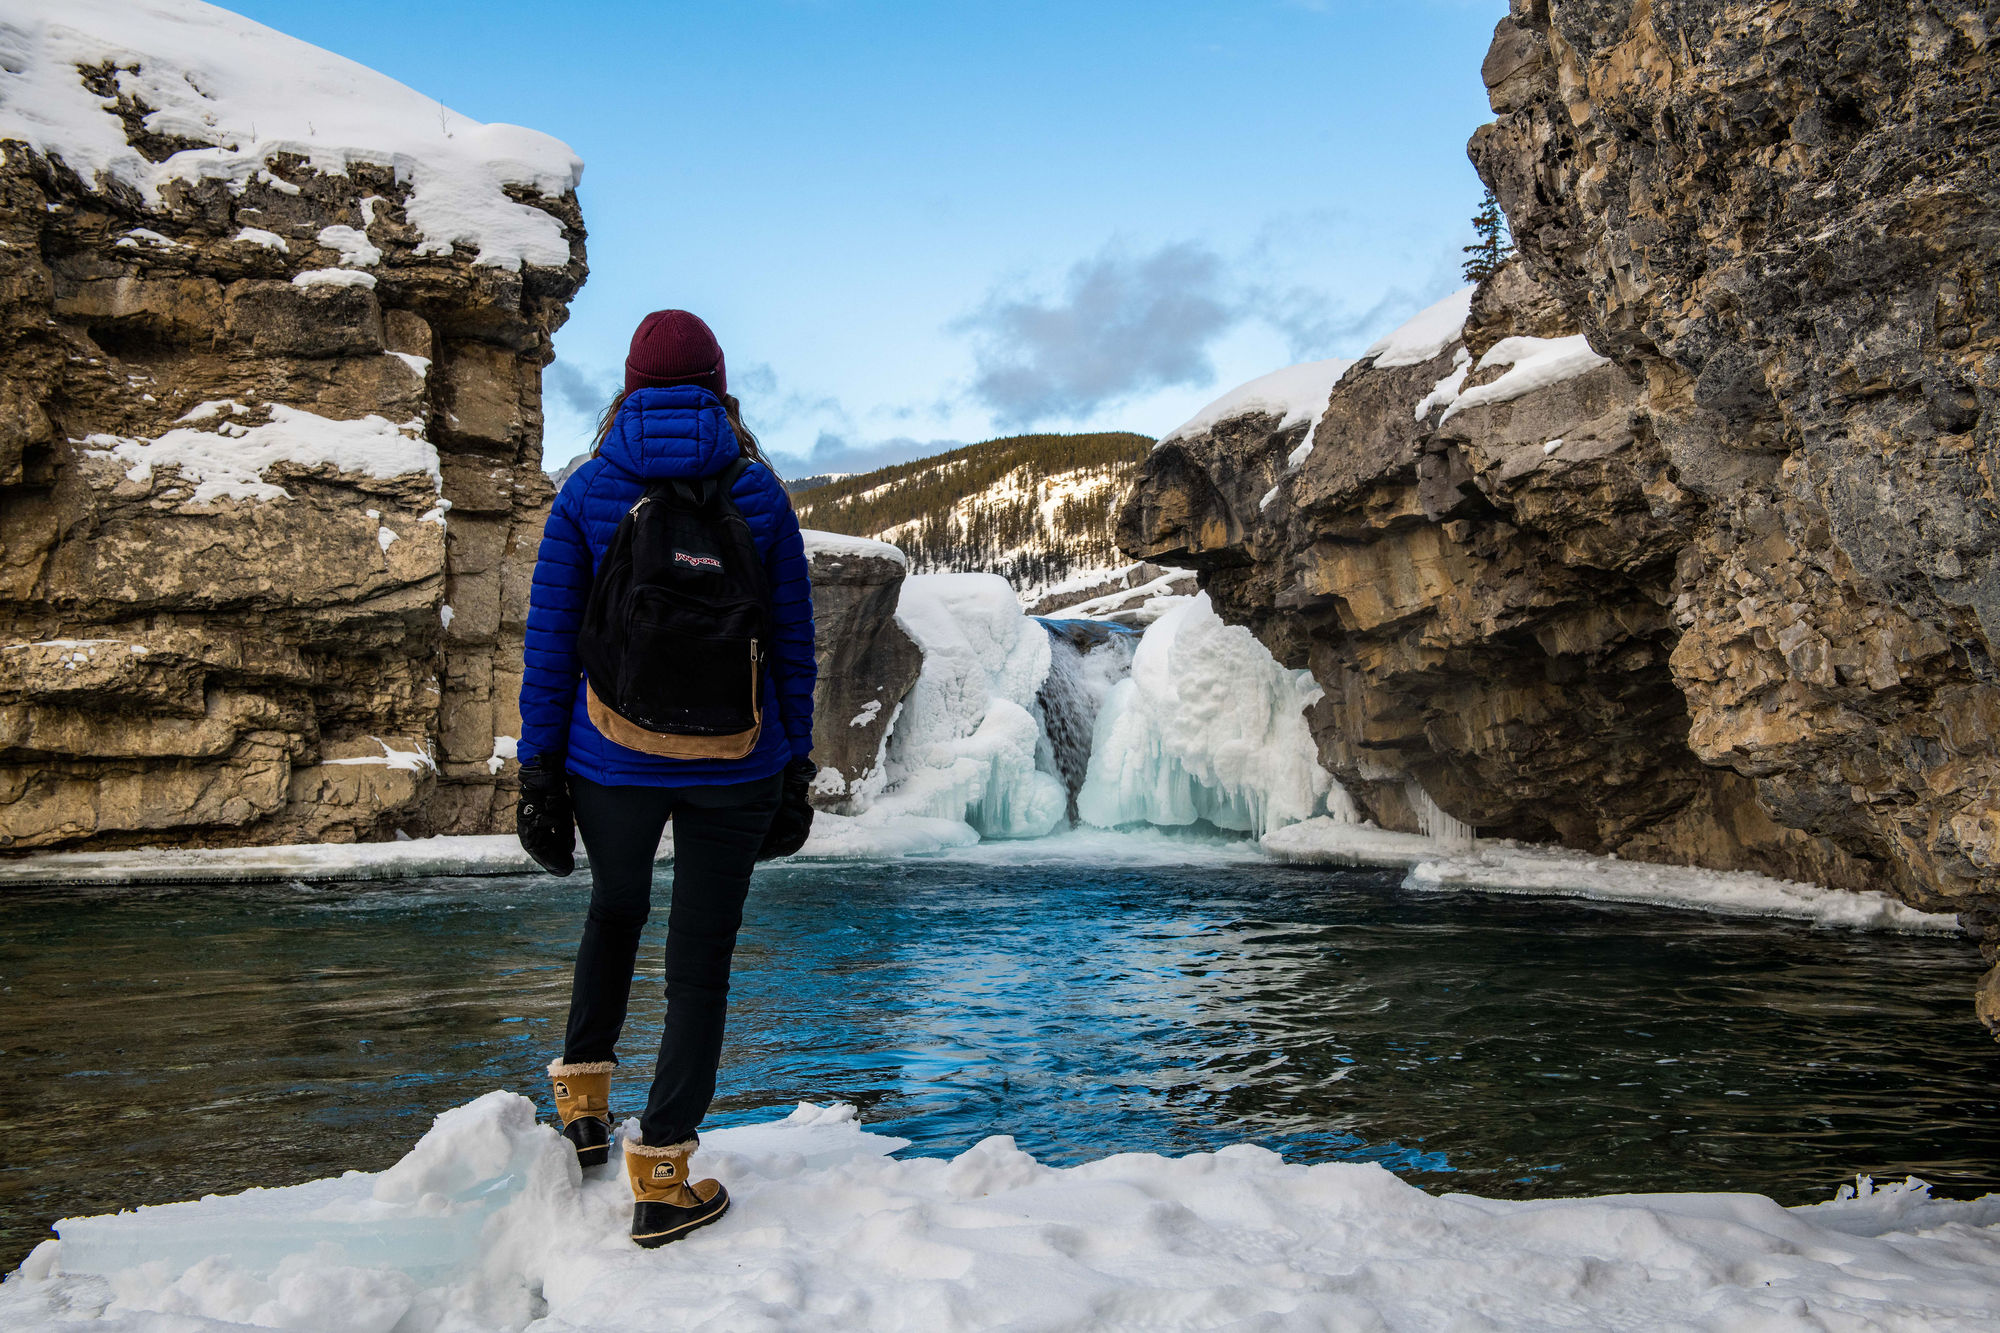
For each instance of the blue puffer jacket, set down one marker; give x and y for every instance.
(661, 433)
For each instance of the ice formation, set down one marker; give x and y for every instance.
(964, 747)
(1208, 727)
(1087, 660)
(489, 1225)
(247, 94)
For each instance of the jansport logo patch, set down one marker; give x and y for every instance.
(697, 561)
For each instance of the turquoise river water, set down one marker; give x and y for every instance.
(164, 1043)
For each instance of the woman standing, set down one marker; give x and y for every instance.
(673, 426)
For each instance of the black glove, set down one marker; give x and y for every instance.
(794, 820)
(544, 818)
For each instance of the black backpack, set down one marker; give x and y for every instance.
(673, 638)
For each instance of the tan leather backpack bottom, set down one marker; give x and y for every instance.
(633, 737)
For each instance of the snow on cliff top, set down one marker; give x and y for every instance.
(840, 544)
(1299, 393)
(1296, 393)
(1425, 334)
(250, 93)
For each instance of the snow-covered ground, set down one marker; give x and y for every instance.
(488, 1224)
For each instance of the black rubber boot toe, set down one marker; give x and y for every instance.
(657, 1224)
(592, 1138)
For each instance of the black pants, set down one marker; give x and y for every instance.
(717, 831)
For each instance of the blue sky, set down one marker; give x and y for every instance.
(914, 225)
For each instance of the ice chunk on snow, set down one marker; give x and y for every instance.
(1537, 363)
(1426, 334)
(1207, 727)
(249, 94)
(421, 1216)
(230, 463)
(829, 1229)
(1294, 394)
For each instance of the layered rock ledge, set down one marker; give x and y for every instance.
(1684, 543)
(270, 436)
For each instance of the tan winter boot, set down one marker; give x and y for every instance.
(583, 1100)
(665, 1204)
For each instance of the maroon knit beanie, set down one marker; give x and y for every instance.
(674, 347)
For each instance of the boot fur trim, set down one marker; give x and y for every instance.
(565, 1069)
(635, 1148)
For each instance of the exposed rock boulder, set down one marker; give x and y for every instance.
(867, 663)
(1474, 552)
(270, 438)
(1684, 543)
(1783, 221)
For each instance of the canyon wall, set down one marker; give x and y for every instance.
(270, 442)
(1682, 543)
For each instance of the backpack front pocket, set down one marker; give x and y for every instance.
(686, 684)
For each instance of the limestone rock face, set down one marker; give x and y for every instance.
(867, 663)
(1721, 586)
(1482, 579)
(1783, 220)
(267, 512)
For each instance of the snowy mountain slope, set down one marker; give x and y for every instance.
(1034, 509)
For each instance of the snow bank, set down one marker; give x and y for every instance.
(1536, 364)
(248, 94)
(962, 749)
(1426, 333)
(489, 1225)
(1294, 394)
(1500, 866)
(1555, 871)
(839, 544)
(406, 858)
(229, 462)
(1207, 727)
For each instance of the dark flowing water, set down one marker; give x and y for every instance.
(161, 1044)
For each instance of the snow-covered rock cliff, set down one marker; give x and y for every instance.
(270, 433)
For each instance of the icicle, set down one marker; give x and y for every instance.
(1437, 825)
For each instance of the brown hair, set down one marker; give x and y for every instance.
(730, 407)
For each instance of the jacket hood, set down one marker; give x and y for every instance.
(679, 431)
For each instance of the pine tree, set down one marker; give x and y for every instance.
(1484, 258)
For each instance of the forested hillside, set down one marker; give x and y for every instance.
(1032, 508)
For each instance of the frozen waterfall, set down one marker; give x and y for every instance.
(1208, 727)
(1087, 659)
(1017, 728)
